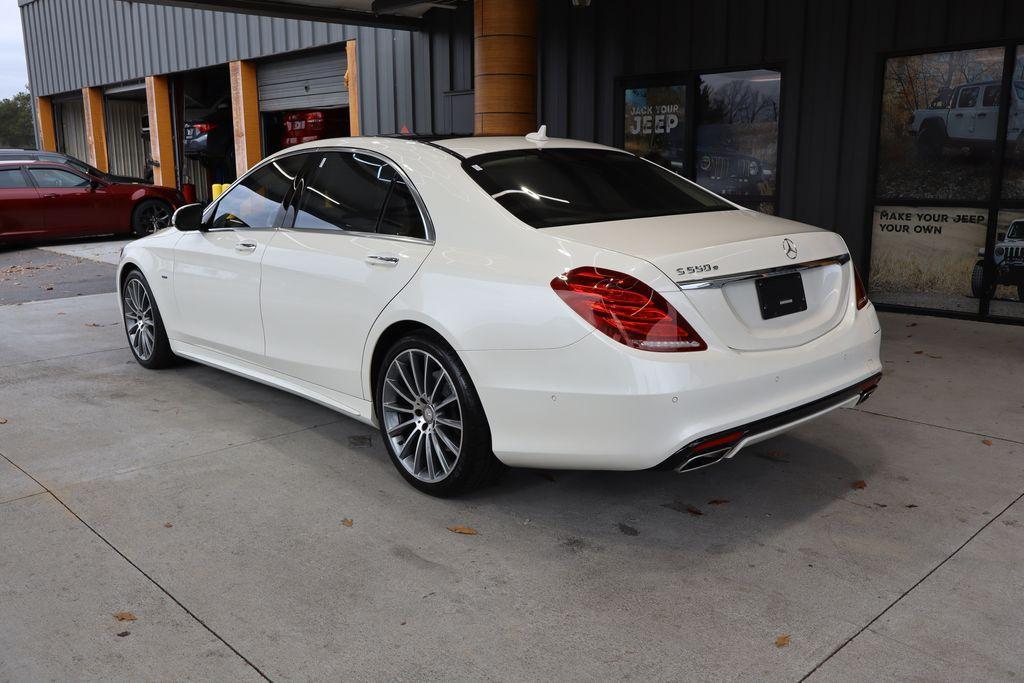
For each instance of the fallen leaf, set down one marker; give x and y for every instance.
(782, 641)
(933, 355)
(987, 442)
(122, 634)
(61, 313)
(695, 511)
(3, 420)
(717, 501)
(346, 522)
(93, 325)
(918, 353)
(628, 530)
(911, 324)
(544, 474)
(124, 616)
(910, 506)
(167, 525)
(462, 529)
(49, 289)
(859, 484)
(881, 505)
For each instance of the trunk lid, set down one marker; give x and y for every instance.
(716, 259)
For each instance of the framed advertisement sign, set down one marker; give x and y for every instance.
(718, 128)
(946, 228)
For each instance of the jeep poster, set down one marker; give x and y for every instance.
(738, 135)
(655, 126)
(926, 256)
(939, 116)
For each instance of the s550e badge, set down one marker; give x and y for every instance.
(693, 270)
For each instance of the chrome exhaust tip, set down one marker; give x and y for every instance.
(703, 460)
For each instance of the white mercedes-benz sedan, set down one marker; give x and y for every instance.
(506, 301)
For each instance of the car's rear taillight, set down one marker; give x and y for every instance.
(204, 127)
(862, 294)
(626, 310)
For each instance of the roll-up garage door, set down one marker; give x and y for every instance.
(314, 81)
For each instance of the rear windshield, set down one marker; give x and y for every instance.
(550, 187)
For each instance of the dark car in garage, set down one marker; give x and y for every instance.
(47, 199)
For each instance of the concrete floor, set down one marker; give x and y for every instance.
(211, 509)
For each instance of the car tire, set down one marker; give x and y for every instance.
(417, 414)
(143, 325)
(978, 281)
(929, 143)
(149, 216)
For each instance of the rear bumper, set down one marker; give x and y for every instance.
(726, 444)
(599, 405)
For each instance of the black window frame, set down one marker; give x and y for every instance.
(211, 211)
(993, 205)
(691, 79)
(428, 227)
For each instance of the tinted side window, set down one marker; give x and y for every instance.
(56, 178)
(968, 96)
(12, 178)
(255, 202)
(991, 96)
(345, 191)
(401, 214)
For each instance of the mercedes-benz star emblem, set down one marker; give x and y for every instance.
(789, 248)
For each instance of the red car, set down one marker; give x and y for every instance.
(48, 199)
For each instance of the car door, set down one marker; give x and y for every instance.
(69, 201)
(986, 113)
(961, 117)
(358, 235)
(21, 213)
(216, 277)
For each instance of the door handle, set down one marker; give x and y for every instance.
(245, 246)
(982, 115)
(49, 196)
(382, 259)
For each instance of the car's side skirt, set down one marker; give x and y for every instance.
(349, 406)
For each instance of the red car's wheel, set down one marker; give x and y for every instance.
(149, 216)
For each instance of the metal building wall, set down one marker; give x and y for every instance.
(403, 74)
(126, 149)
(829, 51)
(71, 137)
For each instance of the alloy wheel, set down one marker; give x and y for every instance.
(138, 319)
(422, 415)
(153, 217)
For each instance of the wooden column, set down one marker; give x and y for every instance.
(47, 127)
(505, 73)
(161, 133)
(352, 84)
(245, 113)
(95, 128)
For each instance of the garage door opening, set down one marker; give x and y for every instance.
(303, 99)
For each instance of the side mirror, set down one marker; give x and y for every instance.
(94, 184)
(188, 218)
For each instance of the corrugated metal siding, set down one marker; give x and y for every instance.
(76, 43)
(829, 52)
(71, 118)
(126, 149)
(307, 81)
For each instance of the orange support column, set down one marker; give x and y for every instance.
(161, 135)
(47, 128)
(505, 73)
(245, 113)
(95, 128)
(352, 84)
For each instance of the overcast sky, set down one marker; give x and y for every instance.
(13, 74)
